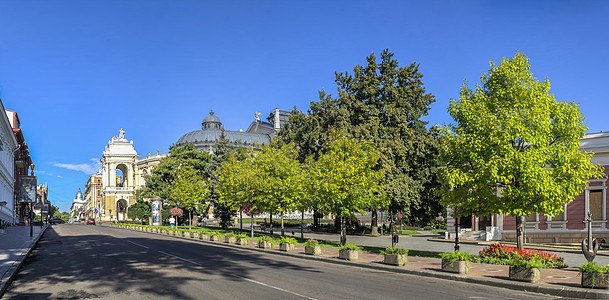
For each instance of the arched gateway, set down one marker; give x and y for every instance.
(118, 173)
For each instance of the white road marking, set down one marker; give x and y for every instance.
(137, 244)
(244, 278)
(180, 258)
(274, 287)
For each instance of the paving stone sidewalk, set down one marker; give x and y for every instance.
(15, 246)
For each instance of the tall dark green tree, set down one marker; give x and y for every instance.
(222, 150)
(139, 211)
(383, 103)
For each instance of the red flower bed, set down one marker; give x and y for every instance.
(501, 253)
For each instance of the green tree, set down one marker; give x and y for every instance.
(345, 180)
(222, 150)
(141, 210)
(382, 103)
(189, 188)
(279, 173)
(514, 148)
(237, 181)
(159, 180)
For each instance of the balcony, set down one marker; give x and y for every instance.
(118, 189)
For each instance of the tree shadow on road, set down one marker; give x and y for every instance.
(122, 265)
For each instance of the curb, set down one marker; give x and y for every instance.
(6, 280)
(567, 292)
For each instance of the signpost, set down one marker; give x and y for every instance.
(27, 194)
(156, 212)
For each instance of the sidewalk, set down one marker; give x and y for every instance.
(15, 245)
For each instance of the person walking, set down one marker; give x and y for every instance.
(172, 221)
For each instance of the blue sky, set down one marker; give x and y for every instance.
(78, 71)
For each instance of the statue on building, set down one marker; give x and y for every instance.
(121, 134)
(257, 116)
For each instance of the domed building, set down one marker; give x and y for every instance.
(259, 132)
(76, 211)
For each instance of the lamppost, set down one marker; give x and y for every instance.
(456, 234)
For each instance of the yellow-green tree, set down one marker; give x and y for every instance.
(189, 188)
(279, 173)
(345, 180)
(514, 148)
(237, 182)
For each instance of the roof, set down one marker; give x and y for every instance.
(206, 137)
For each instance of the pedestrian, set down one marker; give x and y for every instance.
(172, 221)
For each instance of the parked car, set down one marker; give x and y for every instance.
(56, 221)
(91, 221)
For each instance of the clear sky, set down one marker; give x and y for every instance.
(78, 71)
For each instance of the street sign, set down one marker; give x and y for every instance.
(27, 189)
(95, 211)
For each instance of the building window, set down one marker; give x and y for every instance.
(596, 204)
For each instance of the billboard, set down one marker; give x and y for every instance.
(27, 189)
(156, 212)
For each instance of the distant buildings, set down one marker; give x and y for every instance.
(110, 192)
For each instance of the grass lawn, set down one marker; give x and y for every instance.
(327, 244)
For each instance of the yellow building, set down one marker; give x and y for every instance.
(121, 175)
(93, 196)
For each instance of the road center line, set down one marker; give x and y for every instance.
(180, 258)
(137, 244)
(274, 287)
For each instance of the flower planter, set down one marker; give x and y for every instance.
(525, 274)
(395, 259)
(595, 280)
(214, 238)
(286, 247)
(313, 250)
(458, 266)
(242, 242)
(264, 245)
(230, 239)
(348, 254)
(163, 231)
(204, 236)
(195, 235)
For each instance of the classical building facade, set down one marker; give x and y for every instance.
(23, 162)
(93, 196)
(8, 144)
(112, 190)
(76, 210)
(566, 227)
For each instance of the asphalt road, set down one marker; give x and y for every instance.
(74, 261)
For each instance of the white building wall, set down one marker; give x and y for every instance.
(8, 144)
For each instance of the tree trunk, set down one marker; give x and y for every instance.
(241, 219)
(302, 226)
(520, 232)
(282, 230)
(343, 231)
(271, 219)
(374, 223)
(315, 219)
(190, 219)
(252, 228)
